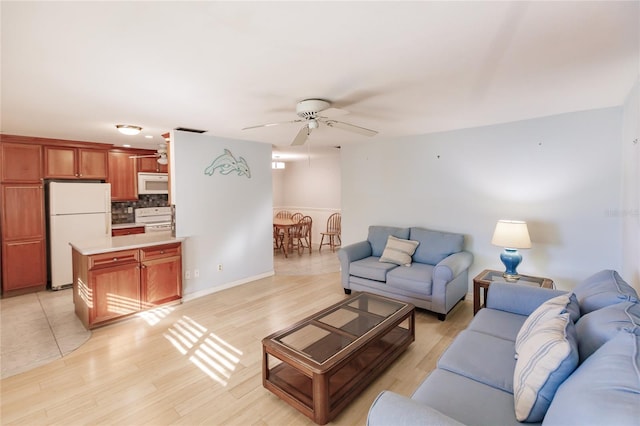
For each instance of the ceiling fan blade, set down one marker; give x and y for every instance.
(301, 137)
(351, 127)
(333, 112)
(144, 156)
(273, 124)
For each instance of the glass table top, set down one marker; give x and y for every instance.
(322, 336)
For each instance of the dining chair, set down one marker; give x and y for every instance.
(283, 214)
(333, 232)
(301, 238)
(297, 216)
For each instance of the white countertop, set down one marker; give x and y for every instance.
(126, 225)
(125, 242)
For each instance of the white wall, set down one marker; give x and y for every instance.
(312, 188)
(630, 210)
(227, 219)
(561, 174)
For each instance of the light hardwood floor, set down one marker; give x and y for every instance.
(200, 362)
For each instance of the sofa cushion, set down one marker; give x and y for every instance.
(416, 279)
(435, 245)
(546, 358)
(602, 289)
(483, 358)
(371, 268)
(604, 390)
(497, 323)
(398, 251)
(378, 237)
(549, 309)
(465, 400)
(598, 327)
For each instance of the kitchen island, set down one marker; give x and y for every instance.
(115, 277)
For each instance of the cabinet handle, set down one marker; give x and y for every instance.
(161, 251)
(115, 259)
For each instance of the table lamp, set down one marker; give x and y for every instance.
(512, 235)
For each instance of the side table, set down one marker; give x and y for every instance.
(483, 280)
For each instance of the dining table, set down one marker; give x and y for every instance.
(284, 225)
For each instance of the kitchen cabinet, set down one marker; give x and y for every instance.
(65, 162)
(123, 175)
(127, 231)
(112, 285)
(21, 162)
(150, 164)
(23, 239)
(161, 274)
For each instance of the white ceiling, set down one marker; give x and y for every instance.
(73, 70)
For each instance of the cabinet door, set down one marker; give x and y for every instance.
(92, 164)
(115, 292)
(24, 265)
(60, 162)
(21, 162)
(149, 164)
(122, 176)
(127, 231)
(161, 281)
(22, 212)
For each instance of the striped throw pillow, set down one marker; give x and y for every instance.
(549, 309)
(399, 251)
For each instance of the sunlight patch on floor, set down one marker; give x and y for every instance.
(211, 354)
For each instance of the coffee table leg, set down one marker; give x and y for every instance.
(321, 398)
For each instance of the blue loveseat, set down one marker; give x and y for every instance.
(436, 279)
(596, 382)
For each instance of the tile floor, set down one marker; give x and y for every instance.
(38, 328)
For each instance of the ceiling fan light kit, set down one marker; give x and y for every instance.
(309, 111)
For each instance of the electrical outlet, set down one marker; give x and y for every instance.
(187, 274)
(219, 267)
(196, 273)
(129, 209)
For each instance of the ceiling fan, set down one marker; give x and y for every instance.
(160, 155)
(312, 113)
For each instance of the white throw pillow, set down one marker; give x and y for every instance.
(547, 356)
(399, 251)
(549, 309)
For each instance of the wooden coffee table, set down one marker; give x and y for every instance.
(321, 363)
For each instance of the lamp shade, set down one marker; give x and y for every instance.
(511, 234)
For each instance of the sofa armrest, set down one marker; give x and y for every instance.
(389, 408)
(351, 253)
(519, 299)
(451, 266)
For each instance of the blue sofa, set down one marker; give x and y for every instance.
(436, 280)
(596, 383)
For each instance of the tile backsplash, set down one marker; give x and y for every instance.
(119, 209)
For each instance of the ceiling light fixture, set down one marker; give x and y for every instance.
(129, 130)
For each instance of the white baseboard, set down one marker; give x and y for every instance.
(208, 291)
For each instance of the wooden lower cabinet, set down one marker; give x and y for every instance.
(112, 285)
(24, 268)
(115, 292)
(127, 231)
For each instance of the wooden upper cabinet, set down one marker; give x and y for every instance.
(150, 164)
(21, 162)
(61, 162)
(123, 175)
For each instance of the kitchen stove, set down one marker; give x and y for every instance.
(155, 219)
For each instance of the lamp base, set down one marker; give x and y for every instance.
(510, 277)
(511, 259)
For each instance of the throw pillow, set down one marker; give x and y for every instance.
(605, 389)
(546, 358)
(602, 289)
(398, 251)
(549, 309)
(598, 327)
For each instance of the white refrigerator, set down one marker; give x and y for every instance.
(78, 211)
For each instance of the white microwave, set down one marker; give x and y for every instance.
(153, 183)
